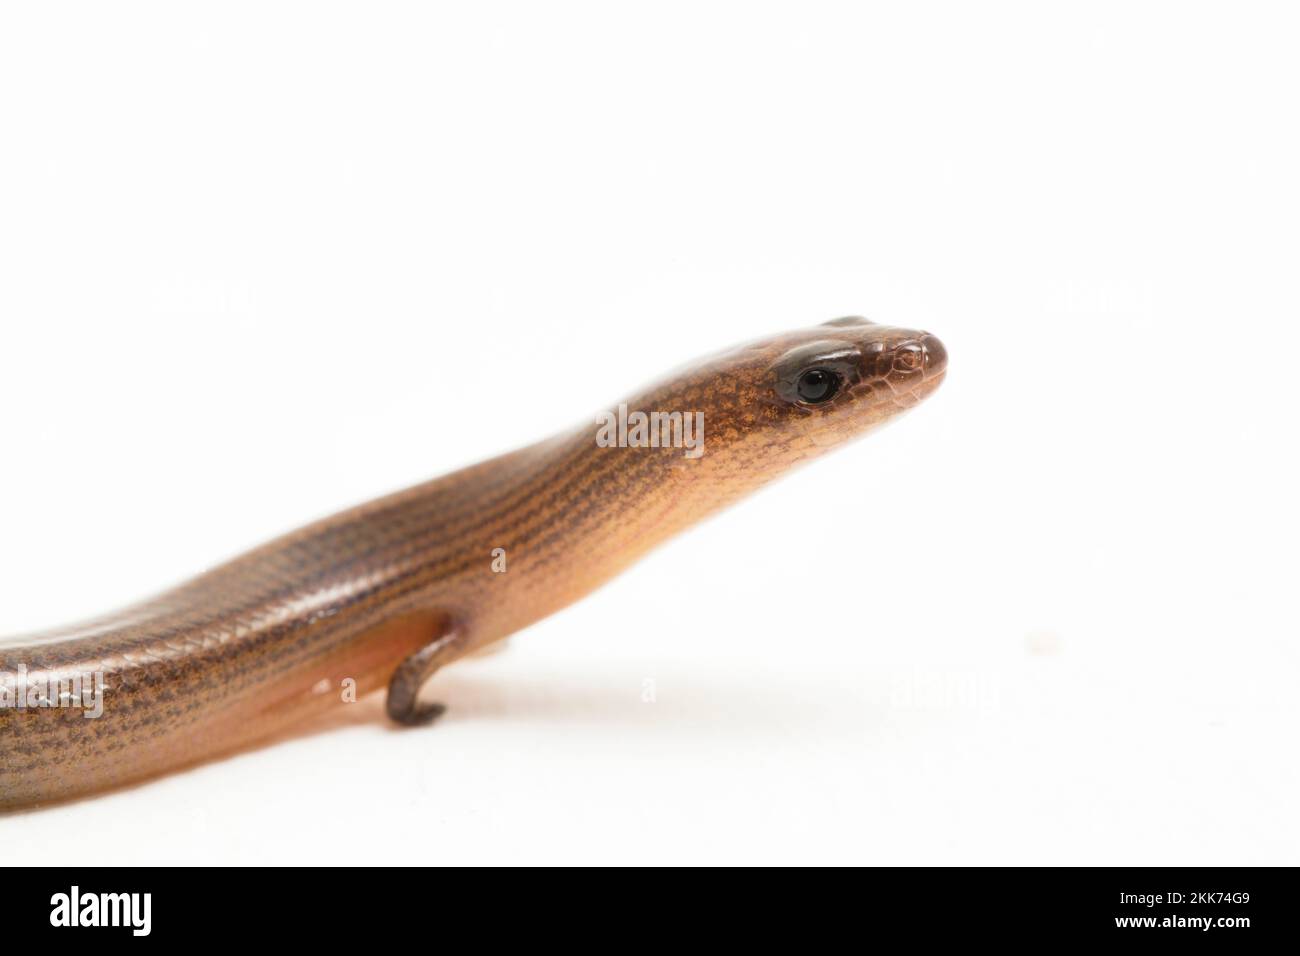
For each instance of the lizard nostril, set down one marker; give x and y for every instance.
(909, 357)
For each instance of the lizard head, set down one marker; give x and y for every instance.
(760, 408)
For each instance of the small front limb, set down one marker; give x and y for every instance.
(404, 688)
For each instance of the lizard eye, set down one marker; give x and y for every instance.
(815, 372)
(817, 385)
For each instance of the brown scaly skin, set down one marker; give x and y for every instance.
(392, 590)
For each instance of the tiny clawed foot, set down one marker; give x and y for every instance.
(420, 716)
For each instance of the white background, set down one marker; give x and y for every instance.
(262, 261)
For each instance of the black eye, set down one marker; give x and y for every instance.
(817, 385)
